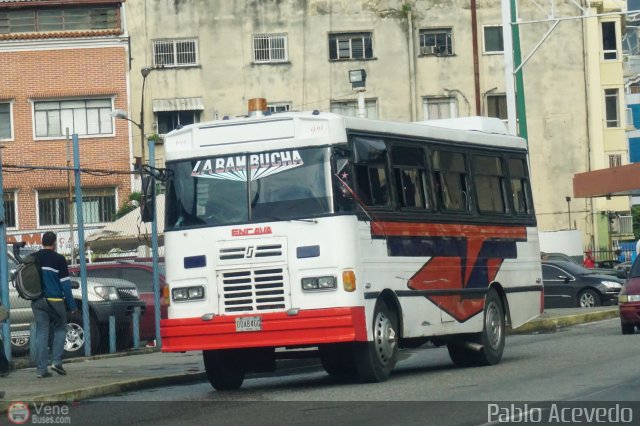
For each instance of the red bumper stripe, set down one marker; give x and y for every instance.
(310, 327)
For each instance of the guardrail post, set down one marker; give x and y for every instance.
(112, 334)
(136, 328)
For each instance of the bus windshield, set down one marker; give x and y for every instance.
(241, 188)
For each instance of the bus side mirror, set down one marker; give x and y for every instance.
(148, 201)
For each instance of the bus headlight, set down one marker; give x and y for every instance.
(187, 293)
(319, 283)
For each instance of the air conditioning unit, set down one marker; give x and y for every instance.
(428, 50)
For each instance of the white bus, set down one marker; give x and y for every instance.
(355, 236)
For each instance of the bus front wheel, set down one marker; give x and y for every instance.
(225, 369)
(376, 359)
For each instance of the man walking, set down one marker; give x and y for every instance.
(51, 309)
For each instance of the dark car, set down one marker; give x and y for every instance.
(140, 273)
(607, 264)
(629, 300)
(623, 269)
(603, 270)
(568, 285)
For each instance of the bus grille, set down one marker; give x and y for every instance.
(250, 252)
(254, 290)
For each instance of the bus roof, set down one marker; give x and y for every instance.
(284, 130)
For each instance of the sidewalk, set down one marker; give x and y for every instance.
(111, 374)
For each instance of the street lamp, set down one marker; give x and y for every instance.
(568, 199)
(358, 79)
(118, 113)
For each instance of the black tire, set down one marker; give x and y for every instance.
(19, 345)
(490, 341)
(461, 356)
(338, 359)
(588, 299)
(225, 368)
(493, 331)
(376, 359)
(74, 344)
(627, 328)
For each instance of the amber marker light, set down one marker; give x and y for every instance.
(349, 281)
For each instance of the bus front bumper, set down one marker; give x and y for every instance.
(306, 328)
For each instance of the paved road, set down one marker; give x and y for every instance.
(591, 362)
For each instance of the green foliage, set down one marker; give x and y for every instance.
(635, 213)
(131, 204)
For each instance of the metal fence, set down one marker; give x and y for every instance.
(115, 259)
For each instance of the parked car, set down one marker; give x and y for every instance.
(567, 284)
(623, 269)
(567, 258)
(629, 301)
(105, 298)
(607, 264)
(140, 273)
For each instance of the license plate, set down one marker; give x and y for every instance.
(248, 324)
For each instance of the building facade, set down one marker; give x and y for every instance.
(63, 66)
(424, 60)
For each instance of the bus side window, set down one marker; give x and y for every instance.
(451, 181)
(519, 186)
(409, 172)
(373, 188)
(489, 182)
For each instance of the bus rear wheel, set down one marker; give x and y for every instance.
(225, 369)
(376, 359)
(484, 348)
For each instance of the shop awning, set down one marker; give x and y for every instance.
(178, 104)
(611, 182)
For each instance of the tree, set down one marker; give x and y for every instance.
(132, 203)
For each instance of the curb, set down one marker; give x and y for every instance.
(552, 324)
(113, 388)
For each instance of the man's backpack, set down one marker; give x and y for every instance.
(28, 278)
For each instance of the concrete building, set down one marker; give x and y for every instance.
(424, 60)
(63, 64)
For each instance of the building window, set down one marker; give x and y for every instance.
(98, 206)
(171, 120)
(437, 107)
(611, 107)
(277, 107)
(175, 53)
(615, 160)
(270, 48)
(493, 41)
(634, 88)
(497, 106)
(350, 108)
(350, 46)
(609, 41)
(54, 19)
(84, 117)
(9, 209)
(5, 121)
(436, 42)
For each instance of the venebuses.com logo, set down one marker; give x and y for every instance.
(18, 413)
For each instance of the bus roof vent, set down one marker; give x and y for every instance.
(257, 107)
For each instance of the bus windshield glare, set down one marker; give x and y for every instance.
(232, 189)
